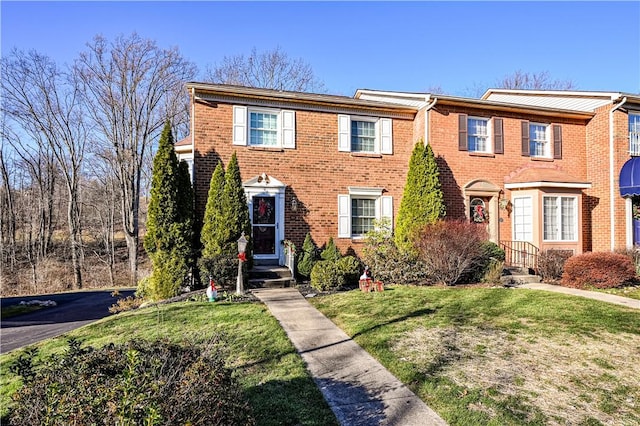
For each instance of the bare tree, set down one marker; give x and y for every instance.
(534, 81)
(132, 87)
(45, 101)
(268, 70)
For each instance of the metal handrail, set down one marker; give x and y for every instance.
(520, 254)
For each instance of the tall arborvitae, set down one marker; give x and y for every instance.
(212, 235)
(235, 211)
(422, 199)
(169, 233)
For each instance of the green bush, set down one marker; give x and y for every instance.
(331, 252)
(351, 269)
(387, 263)
(598, 270)
(170, 270)
(307, 257)
(490, 253)
(326, 275)
(150, 383)
(223, 268)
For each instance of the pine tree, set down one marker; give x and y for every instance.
(169, 233)
(235, 211)
(307, 257)
(212, 235)
(422, 200)
(331, 252)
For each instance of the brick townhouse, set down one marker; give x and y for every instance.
(541, 170)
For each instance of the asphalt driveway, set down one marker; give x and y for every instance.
(73, 310)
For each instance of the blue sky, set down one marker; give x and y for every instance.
(397, 46)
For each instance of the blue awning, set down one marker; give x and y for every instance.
(630, 178)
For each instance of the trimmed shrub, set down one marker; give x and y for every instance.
(307, 257)
(450, 249)
(597, 270)
(223, 268)
(350, 268)
(331, 252)
(551, 264)
(326, 275)
(151, 383)
(493, 272)
(170, 270)
(387, 263)
(634, 255)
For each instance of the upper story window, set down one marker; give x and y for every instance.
(261, 127)
(367, 135)
(634, 133)
(560, 218)
(540, 140)
(480, 134)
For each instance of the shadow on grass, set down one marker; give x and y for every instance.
(414, 314)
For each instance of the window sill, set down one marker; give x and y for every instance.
(264, 148)
(482, 154)
(366, 155)
(544, 159)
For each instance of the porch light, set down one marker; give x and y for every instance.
(294, 204)
(242, 243)
(242, 246)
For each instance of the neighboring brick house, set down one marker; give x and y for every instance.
(331, 165)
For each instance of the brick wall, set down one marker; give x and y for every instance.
(315, 172)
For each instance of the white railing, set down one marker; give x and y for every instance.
(634, 144)
(290, 257)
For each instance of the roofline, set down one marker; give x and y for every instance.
(299, 97)
(547, 184)
(612, 96)
(481, 104)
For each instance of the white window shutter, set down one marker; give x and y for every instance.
(288, 129)
(344, 216)
(239, 125)
(344, 133)
(386, 136)
(387, 208)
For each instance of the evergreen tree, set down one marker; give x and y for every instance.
(422, 199)
(307, 257)
(212, 235)
(168, 237)
(235, 211)
(331, 252)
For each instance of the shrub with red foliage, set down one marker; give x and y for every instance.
(450, 248)
(597, 270)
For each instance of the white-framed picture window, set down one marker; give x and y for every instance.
(264, 127)
(560, 218)
(368, 135)
(522, 219)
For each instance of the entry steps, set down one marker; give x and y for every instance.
(270, 276)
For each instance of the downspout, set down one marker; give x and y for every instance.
(193, 139)
(612, 220)
(426, 119)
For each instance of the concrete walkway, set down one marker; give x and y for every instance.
(359, 390)
(596, 295)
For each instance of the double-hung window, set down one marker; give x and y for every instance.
(264, 127)
(539, 140)
(366, 135)
(560, 218)
(478, 134)
(359, 210)
(634, 134)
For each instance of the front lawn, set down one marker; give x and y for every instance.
(275, 381)
(501, 356)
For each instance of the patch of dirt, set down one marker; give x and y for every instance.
(570, 379)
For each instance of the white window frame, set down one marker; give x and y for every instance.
(559, 218)
(383, 143)
(285, 126)
(547, 140)
(527, 233)
(634, 133)
(383, 209)
(489, 142)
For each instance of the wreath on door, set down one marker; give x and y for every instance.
(478, 211)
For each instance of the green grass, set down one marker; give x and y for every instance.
(276, 383)
(14, 310)
(487, 356)
(632, 292)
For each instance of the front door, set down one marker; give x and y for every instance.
(264, 225)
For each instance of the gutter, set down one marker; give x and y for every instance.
(426, 119)
(612, 220)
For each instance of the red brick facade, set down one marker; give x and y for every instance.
(316, 173)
